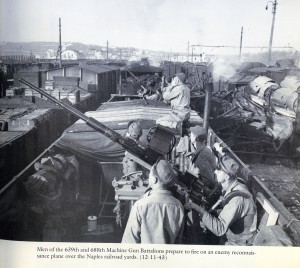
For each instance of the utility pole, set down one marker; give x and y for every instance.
(107, 49)
(209, 88)
(241, 44)
(192, 53)
(188, 56)
(275, 3)
(60, 60)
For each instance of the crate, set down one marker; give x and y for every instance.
(72, 95)
(14, 91)
(10, 92)
(30, 120)
(32, 93)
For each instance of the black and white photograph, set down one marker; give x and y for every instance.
(149, 132)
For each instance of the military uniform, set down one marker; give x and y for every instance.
(237, 220)
(134, 131)
(157, 218)
(205, 161)
(178, 94)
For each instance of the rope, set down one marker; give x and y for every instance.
(117, 211)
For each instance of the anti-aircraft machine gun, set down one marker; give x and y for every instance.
(159, 146)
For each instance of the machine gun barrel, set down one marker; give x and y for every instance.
(146, 154)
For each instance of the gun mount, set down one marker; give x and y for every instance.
(188, 184)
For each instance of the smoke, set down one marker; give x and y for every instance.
(222, 68)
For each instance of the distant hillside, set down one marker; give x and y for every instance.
(42, 46)
(93, 51)
(28, 46)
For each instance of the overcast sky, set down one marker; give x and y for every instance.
(151, 24)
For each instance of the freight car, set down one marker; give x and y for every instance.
(29, 123)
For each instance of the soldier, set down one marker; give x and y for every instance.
(156, 84)
(204, 161)
(236, 223)
(158, 217)
(134, 131)
(178, 94)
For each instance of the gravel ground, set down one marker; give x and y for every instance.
(283, 182)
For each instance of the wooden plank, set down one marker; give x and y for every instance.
(285, 218)
(267, 206)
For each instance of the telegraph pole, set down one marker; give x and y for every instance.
(60, 61)
(209, 88)
(192, 53)
(107, 49)
(241, 44)
(275, 3)
(188, 51)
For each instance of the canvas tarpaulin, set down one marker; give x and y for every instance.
(83, 140)
(86, 142)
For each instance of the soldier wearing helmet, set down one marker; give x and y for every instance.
(204, 161)
(236, 223)
(178, 95)
(134, 131)
(158, 217)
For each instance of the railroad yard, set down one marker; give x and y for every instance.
(191, 142)
(283, 181)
